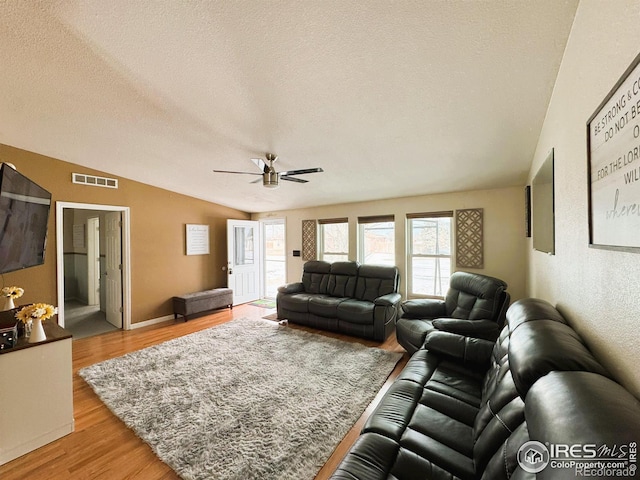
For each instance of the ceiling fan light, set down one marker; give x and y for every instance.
(270, 179)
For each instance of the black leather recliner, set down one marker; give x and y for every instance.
(475, 306)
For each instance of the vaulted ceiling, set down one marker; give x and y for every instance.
(390, 98)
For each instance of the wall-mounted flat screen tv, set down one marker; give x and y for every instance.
(542, 199)
(24, 215)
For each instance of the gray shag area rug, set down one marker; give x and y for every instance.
(248, 399)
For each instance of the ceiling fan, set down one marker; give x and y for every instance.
(270, 177)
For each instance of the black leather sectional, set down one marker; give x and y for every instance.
(345, 297)
(465, 408)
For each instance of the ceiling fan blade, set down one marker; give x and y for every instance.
(261, 164)
(302, 171)
(242, 173)
(293, 179)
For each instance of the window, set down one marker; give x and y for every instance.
(430, 246)
(334, 240)
(376, 240)
(244, 252)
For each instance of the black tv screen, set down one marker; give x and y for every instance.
(24, 215)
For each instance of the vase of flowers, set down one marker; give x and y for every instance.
(9, 294)
(36, 313)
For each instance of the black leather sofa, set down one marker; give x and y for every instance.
(463, 408)
(345, 297)
(475, 305)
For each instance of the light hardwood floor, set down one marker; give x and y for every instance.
(102, 447)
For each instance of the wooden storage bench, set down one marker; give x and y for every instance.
(200, 302)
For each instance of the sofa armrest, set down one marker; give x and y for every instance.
(388, 300)
(485, 329)
(423, 308)
(471, 351)
(289, 288)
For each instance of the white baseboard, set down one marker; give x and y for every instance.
(8, 454)
(152, 321)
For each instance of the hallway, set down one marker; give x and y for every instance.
(85, 320)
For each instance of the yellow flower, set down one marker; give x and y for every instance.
(12, 292)
(41, 311)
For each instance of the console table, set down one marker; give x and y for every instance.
(36, 397)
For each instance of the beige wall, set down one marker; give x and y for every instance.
(597, 290)
(160, 268)
(504, 229)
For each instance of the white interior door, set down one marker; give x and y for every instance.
(93, 261)
(113, 267)
(243, 260)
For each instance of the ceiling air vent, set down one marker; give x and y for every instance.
(94, 181)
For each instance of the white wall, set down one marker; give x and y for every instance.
(597, 290)
(504, 229)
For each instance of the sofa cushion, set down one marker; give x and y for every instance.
(296, 302)
(583, 408)
(342, 279)
(424, 308)
(413, 332)
(375, 457)
(531, 310)
(539, 347)
(486, 329)
(356, 311)
(315, 276)
(473, 352)
(472, 296)
(394, 412)
(504, 463)
(506, 415)
(373, 460)
(429, 410)
(324, 305)
(375, 281)
(429, 380)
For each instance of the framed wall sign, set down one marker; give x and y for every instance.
(197, 239)
(613, 148)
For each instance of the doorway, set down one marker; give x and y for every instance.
(93, 264)
(275, 257)
(243, 260)
(257, 260)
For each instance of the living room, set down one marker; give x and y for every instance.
(594, 288)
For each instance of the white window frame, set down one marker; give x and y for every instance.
(331, 221)
(437, 256)
(362, 222)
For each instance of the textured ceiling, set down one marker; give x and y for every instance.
(391, 98)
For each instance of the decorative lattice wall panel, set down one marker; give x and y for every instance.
(469, 238)
(309, 240)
